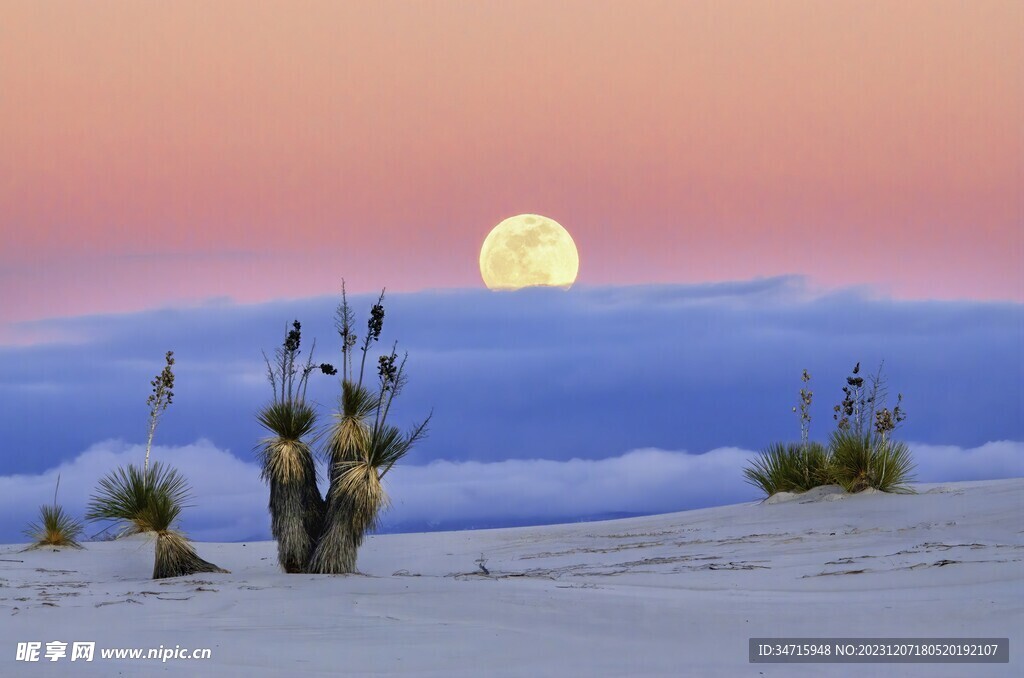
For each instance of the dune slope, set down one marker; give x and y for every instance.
(676, 594)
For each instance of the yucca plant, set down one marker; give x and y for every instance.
(56, 527)
(894, 467)
(816, 465)
(150, 500)
(361, 447)
(175, 556)
(296, 507)
(124, 494)
(347, 439)
(357, 497)
(359, 483)
(865, 460)
(790, 467)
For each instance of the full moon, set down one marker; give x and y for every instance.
(529, 250)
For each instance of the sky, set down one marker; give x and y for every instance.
(754, 188)
(260, 151)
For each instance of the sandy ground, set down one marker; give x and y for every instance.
(673, 595)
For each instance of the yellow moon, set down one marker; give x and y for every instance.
(529, 250)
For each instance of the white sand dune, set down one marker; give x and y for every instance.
(674, 595)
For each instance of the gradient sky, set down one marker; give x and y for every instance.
(153, 153)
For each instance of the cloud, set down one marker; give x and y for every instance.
(228, 494)
(538, 373)
(230, 499)
(517, 491)
(944, 463)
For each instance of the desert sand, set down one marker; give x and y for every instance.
(673, 595)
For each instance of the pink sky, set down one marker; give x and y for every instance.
(152, 153)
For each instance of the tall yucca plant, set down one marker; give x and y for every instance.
(361, 447)
(359, 487)
(296, 507)
(347, 437)
(150, 500)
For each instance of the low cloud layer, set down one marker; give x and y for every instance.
(545, 374)
(536, 395)
(230, 499)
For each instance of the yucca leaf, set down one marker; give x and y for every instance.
(349, 434)
(288, 419)
(175, 557)
(894, 467)
(863, 461)
(790, 468)
(125, 495)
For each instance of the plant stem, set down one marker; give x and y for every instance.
(149, 440)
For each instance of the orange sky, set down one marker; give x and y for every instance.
(153, 152)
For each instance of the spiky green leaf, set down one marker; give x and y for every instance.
(140, 501)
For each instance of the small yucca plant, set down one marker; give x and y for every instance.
(894, 467)
(790, 468)
(863, 461)
(56, 527)
(150, 500)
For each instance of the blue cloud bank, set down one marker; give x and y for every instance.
(577, 379)
(230, 499)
